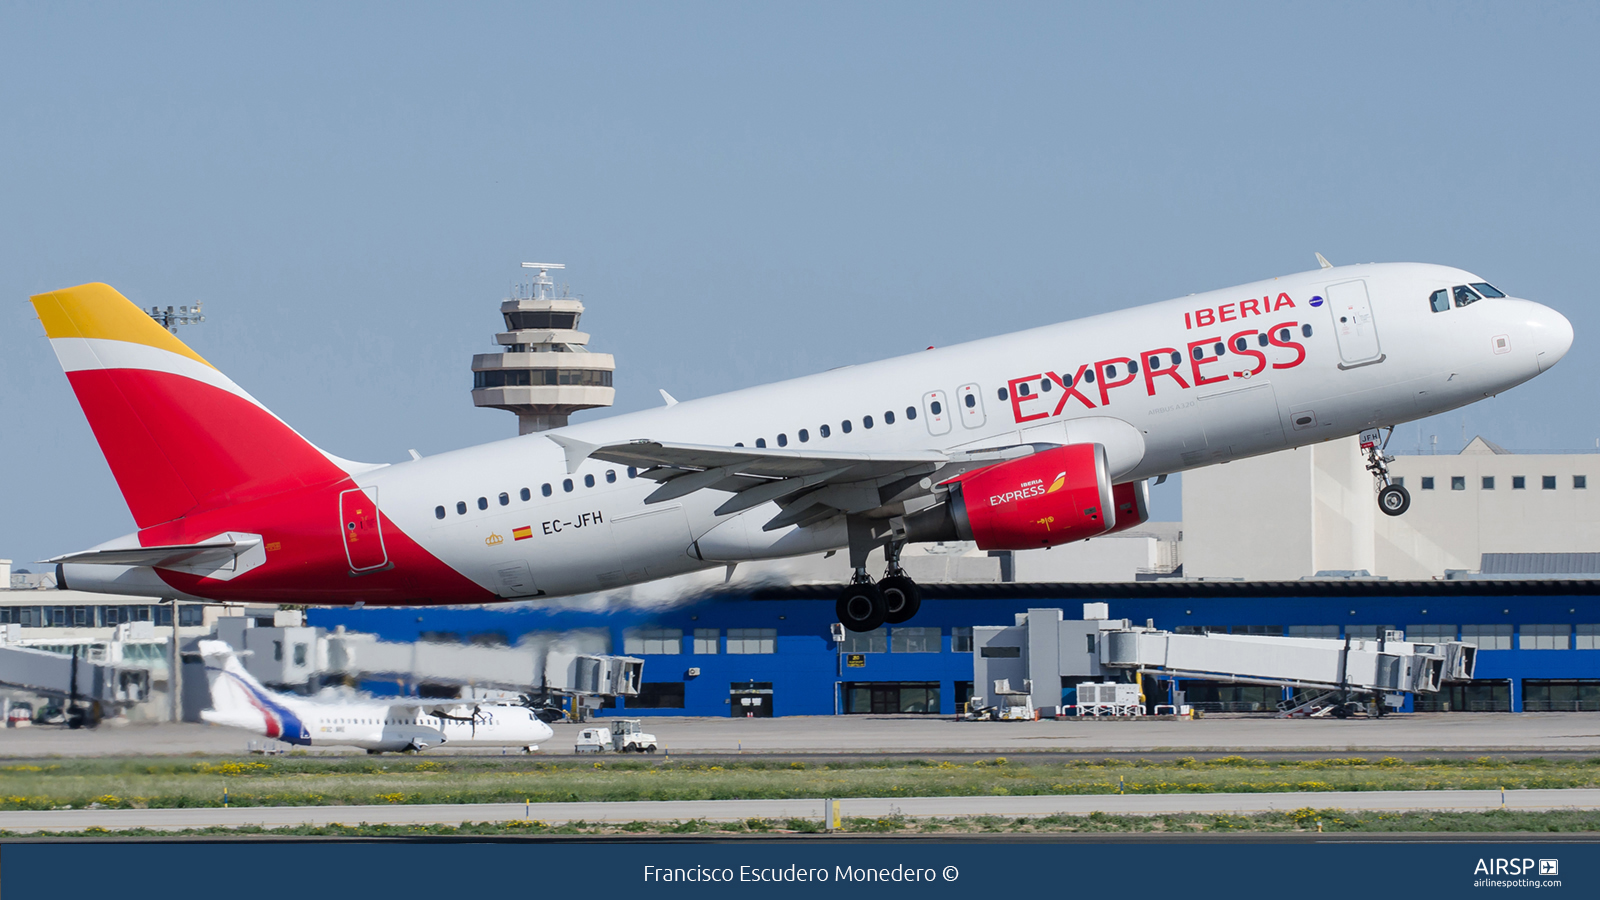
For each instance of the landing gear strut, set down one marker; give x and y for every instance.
(865, 606)
(1393, 499)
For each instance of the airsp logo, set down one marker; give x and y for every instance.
(1501, 866)
(1549, 867)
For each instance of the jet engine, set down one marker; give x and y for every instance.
(1056, 496)
(1131, 500)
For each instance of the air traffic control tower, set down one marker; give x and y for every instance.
(544, 371)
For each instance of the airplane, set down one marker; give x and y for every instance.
(240, 701)
(1018, 441)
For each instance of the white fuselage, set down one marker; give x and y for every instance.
(1316, 378)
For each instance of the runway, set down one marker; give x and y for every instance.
(813, 809)
(1568, 733)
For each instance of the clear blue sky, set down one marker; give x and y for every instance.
(748, 192)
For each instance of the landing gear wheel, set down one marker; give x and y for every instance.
(861, 607)
(901, 598)
(1394, 500)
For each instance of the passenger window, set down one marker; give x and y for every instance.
(1261, 339)
(1220, 350)
(505, 499)
(1022, 391)
(1439, 300)
(1240, 344)
(545, 489)
(888, 417)
(461, 508)
(526, 495)
(566, 485)
(761, 442)
(936, 407)
(1088, 375)
(783, 440)
(1199, 353)
(972, 402)
(1283, 335)
(911, 412)
(438, 512)
(824, 431)
(1001, 394)
(804, 435)
(1465, 296)
(588, 481)
(611, 476)
(845, 425)
(1111, 371)
(633, 472)
(1155, 363)
(866, 421)
(1133, 367)
(483, 502)
(1486, 289)
(1305, 330)
(1177, 358)
(1044, 385)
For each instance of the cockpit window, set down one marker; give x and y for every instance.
(1487, 289)
(1440, 301)
(1466, 296)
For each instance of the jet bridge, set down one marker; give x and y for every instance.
(1048, 655)
(72, 677)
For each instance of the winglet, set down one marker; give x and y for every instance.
(671, 400)
(1323, 261)
(577, 451)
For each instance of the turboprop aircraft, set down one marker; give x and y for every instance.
(1024, 440)
(239, 700)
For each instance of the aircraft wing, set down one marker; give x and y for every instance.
(207, 553)
(810, 485)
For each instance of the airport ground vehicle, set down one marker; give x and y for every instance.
(627, 737)
(21, 714)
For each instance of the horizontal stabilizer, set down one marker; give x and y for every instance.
(209, 553)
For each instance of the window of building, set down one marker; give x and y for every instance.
(1314, 631)
(438, 512)
(1487, 637)
(277, 651)
(657, 695)
(993, 652)
(1561, 695)
(707, 641)
(1488, 482)
(1458, 483)
(1580, 482)
(1545, 637)
(1431, 631)
(1548, 482)
(882, 698)
(752, 640)
(874, 641)
(661, 641)
(1519, 482)
(300, 654)
(1427, 482)
(1369, 632)
(914, 639)
(1587, 637)
(961, 639)
(1401, 480)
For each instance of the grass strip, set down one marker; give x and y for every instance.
(184, 782)
(1305, 820)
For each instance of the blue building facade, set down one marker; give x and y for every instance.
(770, 651)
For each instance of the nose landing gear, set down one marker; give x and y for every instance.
(1393, 499)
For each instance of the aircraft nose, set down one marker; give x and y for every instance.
(1552, 336)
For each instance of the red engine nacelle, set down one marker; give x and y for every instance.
(1052, 497)
(1131, 500)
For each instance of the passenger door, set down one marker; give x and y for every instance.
(363, 530)
(936, 411)
(971, 405)
(1353, 325)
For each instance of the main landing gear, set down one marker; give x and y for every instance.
(865, 606)
(1393, 499)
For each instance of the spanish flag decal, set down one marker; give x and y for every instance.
(1056, 485)
(523, 533)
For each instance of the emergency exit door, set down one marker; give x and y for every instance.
(1353, 326)
(363, 530)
